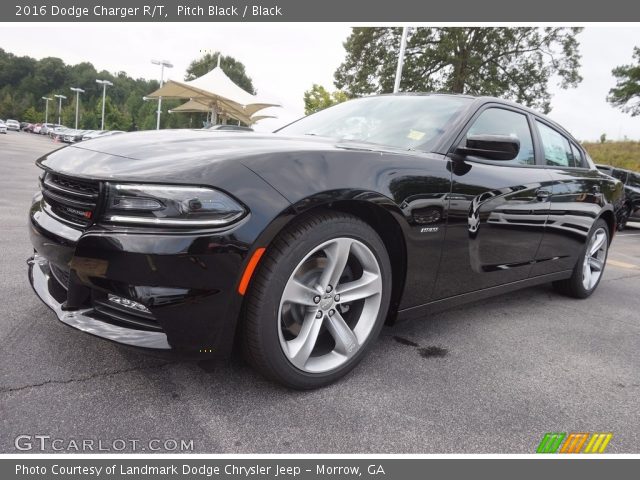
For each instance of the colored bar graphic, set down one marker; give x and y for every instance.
(598, 443)
(550, 442)
(573, 442)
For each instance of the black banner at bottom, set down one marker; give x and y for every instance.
(316, 468)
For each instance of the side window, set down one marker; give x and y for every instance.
(576, 154)
(498, 121)
(557, 150)
(634, 180)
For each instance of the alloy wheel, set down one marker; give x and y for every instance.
(594, 259)
(329, 305)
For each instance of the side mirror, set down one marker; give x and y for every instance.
(492, 147)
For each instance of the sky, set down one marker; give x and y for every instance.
(284, 60)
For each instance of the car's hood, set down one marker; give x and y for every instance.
(158, 154)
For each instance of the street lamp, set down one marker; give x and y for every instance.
(104, 84)
(46, 108)
(60, 98)
(162, 63)
(403, 45)
(78, 92)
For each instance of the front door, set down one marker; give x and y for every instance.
(497, 209)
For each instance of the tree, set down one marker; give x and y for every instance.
(626, 94)
(234, 69)
(31, 115)
(114, 119)
(512, 63)
(318, 98)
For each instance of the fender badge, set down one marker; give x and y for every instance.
(429, 229)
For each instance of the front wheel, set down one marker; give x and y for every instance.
(590, 267)
(317, 301)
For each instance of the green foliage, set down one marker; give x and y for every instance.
(318, 98)
(234, 69)
(31, 115)
(603, 138)
(25, 80)
(619, 154)
(626, 94)
(511, 63)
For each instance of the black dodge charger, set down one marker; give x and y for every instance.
(298, 246)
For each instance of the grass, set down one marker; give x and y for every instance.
(619, 154)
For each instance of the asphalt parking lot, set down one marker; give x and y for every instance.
(491, 377)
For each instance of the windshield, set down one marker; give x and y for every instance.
(402, 121)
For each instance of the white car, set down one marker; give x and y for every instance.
(3, 127)
(13, 125)
(93, 134)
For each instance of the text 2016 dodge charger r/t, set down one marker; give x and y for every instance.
(302, 243)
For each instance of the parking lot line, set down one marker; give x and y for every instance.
(616, 263)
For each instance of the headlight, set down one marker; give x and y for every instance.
(169, 205)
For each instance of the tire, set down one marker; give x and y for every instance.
(582, 284)
(279, 315)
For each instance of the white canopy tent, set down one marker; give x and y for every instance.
(199, 106)
(217, 93)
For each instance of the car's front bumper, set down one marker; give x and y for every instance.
(187, 282)
(44, 284)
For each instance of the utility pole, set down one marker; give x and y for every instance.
(104, 84)
(78, 92)
(162, 63)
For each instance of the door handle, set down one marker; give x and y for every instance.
(543, 193)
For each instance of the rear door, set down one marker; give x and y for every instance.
(497, 209)
(576, 202)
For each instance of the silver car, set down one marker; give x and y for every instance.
(13, 125)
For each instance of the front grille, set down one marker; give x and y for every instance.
(71, 199)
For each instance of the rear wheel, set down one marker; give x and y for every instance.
(317, 301)
(590, 267)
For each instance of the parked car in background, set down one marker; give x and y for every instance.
(72, 136)
(302, 243)
(13, 125)
(46, 128)
(24, 125)
(36, 128)
(93, 134)
(630, 207)
(3, 127)
(57, 133)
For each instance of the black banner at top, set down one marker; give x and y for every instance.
(318, 11)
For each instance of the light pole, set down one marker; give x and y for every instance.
(78, 92)
(46, 108)
(162, 63)
(60, 98)
(104, 84)
(403, 45)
